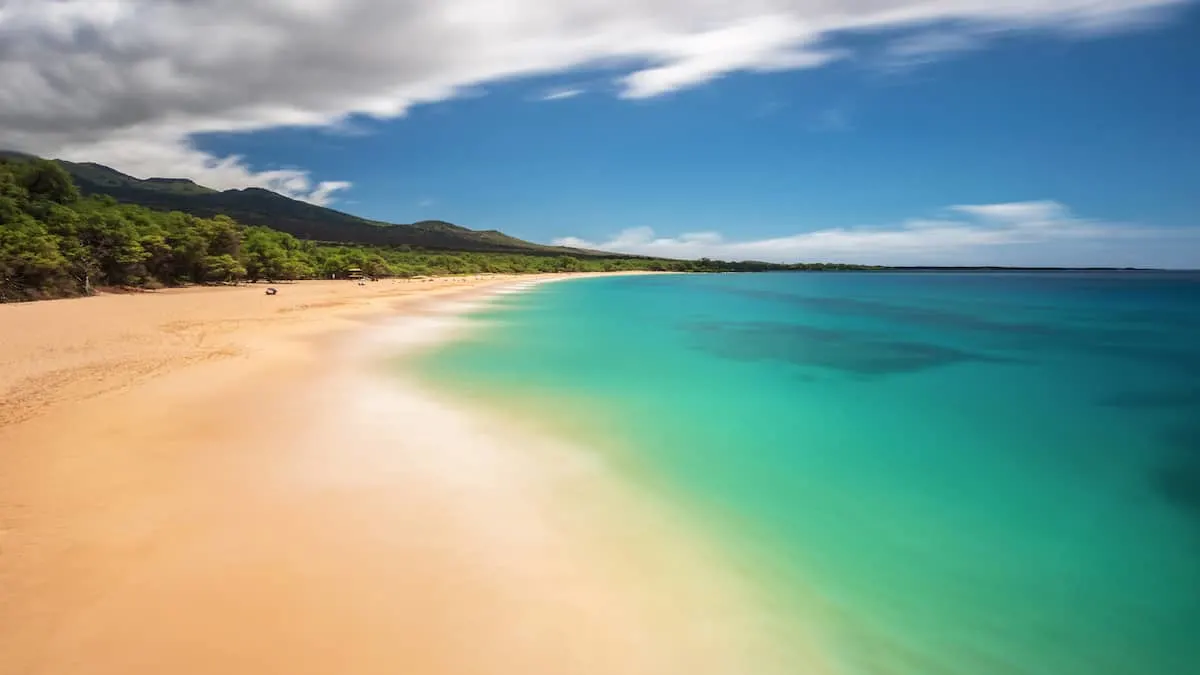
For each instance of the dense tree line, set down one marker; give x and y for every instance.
(55, 243)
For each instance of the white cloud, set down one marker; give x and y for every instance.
(172, 156)
(559, 94)
(766, 43)
(131, 82)
(927, 45)
(1016, 233)
(322, 194)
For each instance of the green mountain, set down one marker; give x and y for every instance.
(256, 206)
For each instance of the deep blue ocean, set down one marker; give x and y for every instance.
(958, 474)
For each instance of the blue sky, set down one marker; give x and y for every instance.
(887, 144)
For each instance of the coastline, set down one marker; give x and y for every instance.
(257, 496)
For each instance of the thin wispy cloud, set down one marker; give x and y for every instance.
(323, 193)
(926, 46)
(560, 94)
(349, 129)
(1016, 233)
(131, 82)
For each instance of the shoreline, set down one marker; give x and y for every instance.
(265, 500)
(69, 350)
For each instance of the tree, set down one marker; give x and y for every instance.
(54, 243)
(568, 263)
(375, 266)
(297, 268)
(114, 247)
(224, 236)
(46, 180)
(224, 268)
(159, 261)
(30, 263)
(264, 253)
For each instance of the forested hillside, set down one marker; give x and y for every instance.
(256, 206)
(56, 243)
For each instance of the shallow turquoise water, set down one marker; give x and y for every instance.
(983, 474)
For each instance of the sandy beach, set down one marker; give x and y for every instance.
(216, 480)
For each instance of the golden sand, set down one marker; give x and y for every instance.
(220, 481)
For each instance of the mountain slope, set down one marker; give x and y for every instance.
(256, 206)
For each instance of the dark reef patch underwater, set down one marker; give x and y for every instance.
(854, 352)
(1178, 479)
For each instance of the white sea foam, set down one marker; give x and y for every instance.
(522, 512)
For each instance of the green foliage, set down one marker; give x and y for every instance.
(55, 243)
(46, 180)
(255, 206)
(223, 267)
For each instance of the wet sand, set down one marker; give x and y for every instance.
(219, 481)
